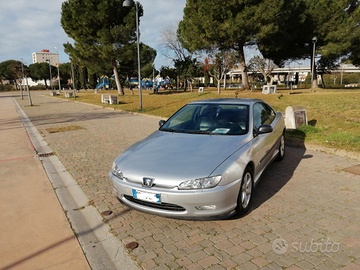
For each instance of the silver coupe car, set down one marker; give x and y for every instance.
(203, 162)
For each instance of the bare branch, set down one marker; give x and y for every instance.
(171, 45)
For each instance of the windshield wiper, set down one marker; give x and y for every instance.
(202, 132)
(189, 131)
(171, 130)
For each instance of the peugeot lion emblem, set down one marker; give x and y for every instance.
(148, 182)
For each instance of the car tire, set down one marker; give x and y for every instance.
(245, 192)
(281, 153)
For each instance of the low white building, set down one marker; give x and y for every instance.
(30, 82)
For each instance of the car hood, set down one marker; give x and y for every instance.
(176, 157)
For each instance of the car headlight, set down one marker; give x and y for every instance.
(116, 171)
(206, 182)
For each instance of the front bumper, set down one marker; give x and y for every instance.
(207, 204)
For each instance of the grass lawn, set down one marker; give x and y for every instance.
(334, 114)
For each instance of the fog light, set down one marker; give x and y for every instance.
(206, 207)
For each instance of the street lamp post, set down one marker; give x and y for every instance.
(128, 3)
(22, 79)
(314, 40)
(58, 66)
(27, 85)
(73, 78)
(48, 60)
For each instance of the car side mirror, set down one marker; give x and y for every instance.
(161, 123)
(263, 129)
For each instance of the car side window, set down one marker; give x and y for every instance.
(270, 114)
(263, 115)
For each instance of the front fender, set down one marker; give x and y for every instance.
(233, 168)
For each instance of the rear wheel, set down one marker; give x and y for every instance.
(281, 153)
(245, 193)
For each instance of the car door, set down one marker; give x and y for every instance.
(263, 144)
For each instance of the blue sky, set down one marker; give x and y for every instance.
(31, 26)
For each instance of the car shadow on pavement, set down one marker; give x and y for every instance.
(279, 173)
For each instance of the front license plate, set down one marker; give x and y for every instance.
(146, 196)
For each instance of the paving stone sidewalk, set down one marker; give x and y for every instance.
(305, 212)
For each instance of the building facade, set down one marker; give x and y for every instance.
(45, 56)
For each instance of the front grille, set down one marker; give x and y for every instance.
(163, 206)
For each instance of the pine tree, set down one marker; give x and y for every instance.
(100, 29)
(234, 24)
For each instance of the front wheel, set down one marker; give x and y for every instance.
(245, 193)
(281, 153)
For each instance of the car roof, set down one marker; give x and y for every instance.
(242, 101)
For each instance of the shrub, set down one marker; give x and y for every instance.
(7, 87)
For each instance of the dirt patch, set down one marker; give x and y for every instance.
(63, 129)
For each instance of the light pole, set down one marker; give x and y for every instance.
(128, 3)
(73, 78)
(48, 60)
(58, 66)
(27, 85)
(22, 80)
(314, 39)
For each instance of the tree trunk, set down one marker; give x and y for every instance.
(117, 80)
(244, 75)
(271, 80)
(322, 81)
(219, 86)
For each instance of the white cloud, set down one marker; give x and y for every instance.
(29, 26)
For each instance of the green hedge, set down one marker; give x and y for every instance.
(7, 87)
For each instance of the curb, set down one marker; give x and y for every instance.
(101, 248)
(323, 149)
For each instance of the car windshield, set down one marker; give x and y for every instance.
(217, 119)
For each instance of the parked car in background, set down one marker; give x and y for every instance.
(203, 162)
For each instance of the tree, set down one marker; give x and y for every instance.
(334, 23)
(264, 66)
(100, 29)
(166, 71)
(187, 67)
(187, 70)
(128, 63)
(290, 36)
(41, 71)
(233, 25)
(65, 73)
(336, 26)
(11, 70)
(171, 44)
(219, 65)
